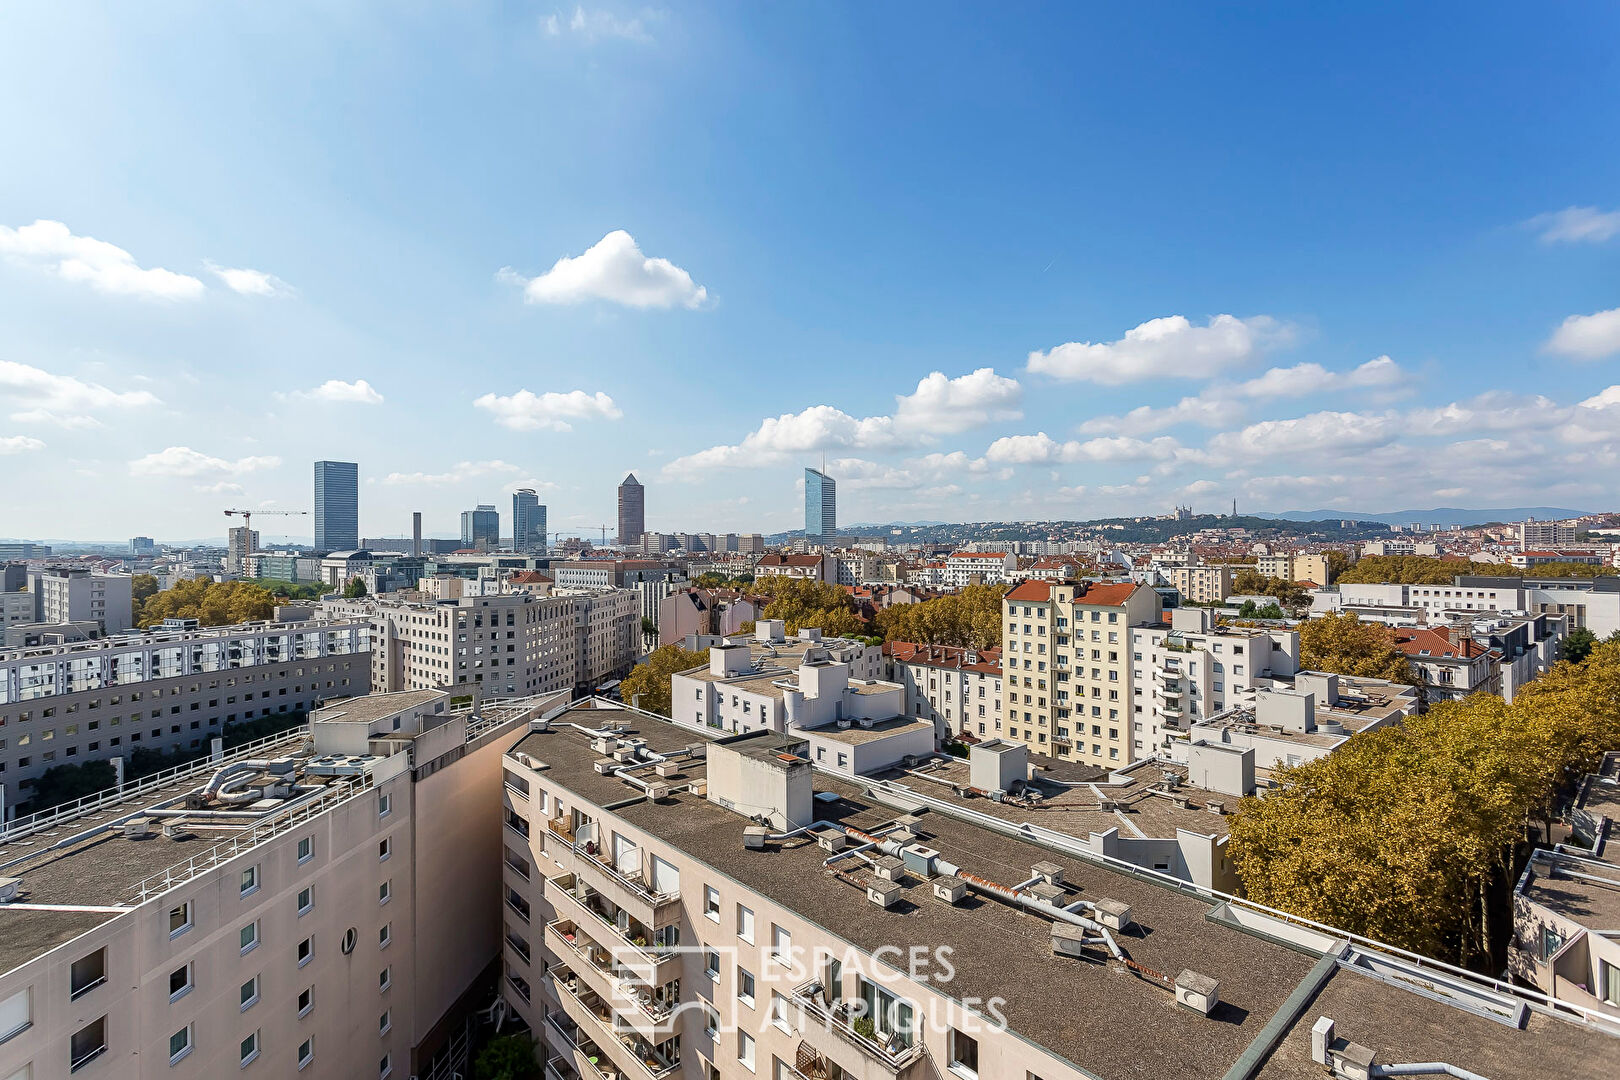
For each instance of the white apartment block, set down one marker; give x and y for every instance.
(1544, 534)
(1202, 584)
(1067, 672)
(1191, 669)
(1594, 604)
(958, 690)
(17, 608)
(324, 928)
(979, 568)
(725, 908)
(165, 690)
(75, 595)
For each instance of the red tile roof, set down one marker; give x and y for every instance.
(945, 656)
(530, 577)
(1032, 591)
(1435, 645)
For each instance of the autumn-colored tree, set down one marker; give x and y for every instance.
(142, 587)
(647, 685)
(211, 603)
(970, 618)
(1344, 644)
(805, 604)
(1337, 562)
(1422, 570)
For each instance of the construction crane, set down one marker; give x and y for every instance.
(247, 523)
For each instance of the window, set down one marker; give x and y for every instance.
(87, 1044)
(711, 1020)
(385, 804)
(179, 1044)
(1611, 983)
(306, 1052)
(250, 881)
(385, 891)
(385, 848)
(306, 849)
(385, 935)
(779, 1011)
(16, 1014)
(964, 1055)
(1551, 942)
(711, 964)
(385, 979)
(249, 993)
(85, 974)
(745, 1050)
(745, 987)
(306, 1001)
(306, 899)
(385, 1022)
(711, 902)
(306, 951)
(384, 1068)
(179, 919)
(180, 982)
(781, 946)
(745, 924)
(249, 936)
(250, 1049)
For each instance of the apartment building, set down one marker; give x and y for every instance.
(808, 567)
(1541, 534)
(71, 594)
(705, 612)
(1449, 662)
(165, 690)
(723, 908)
(1191, 668)
(503, 645)
(958, 690)
(1067, 672)
(1593, 603)
(979, 568)
(1202, 584)
(1298, 567)
(609, 573)
(285, 913)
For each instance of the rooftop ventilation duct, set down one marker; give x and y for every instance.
(883, 893)
(138, 828)
(1198, 992)
(950, 888)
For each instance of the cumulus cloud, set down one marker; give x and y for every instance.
(51, 246)
(1587, 337)
(39, 396)
(613, 269)
(1496, 410)
(250, 282)
(1577, 225)
(1213, 409)
(597, 23)
(1170, 347)
(550, 411)
(338, 392)
(184, 461)
(1324, 432)
(456, 474)
(1302, 379)
(19, 444)
(1042, 449)
(948, 406)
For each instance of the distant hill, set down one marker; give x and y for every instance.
(1441, 515)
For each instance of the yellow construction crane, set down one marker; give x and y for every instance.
(247, 522)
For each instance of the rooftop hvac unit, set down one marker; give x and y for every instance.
(843, 725)
(1049, 872)
(624, 754)
(657, 791)
(1068, 939)
(754, 837)
(883, 893)
(541, 724)
(866, 722)
(281, 766)
(666, 768)
(949, 888)
(910, 761)
(831, 839)
(1048, 893)
(174, 829)
(919, 859)
(9, 887)
(1198, 992)
(888, 868)
(1114, 914)
(605, 766)
(1107, 805)
(603, 745)
(1215, 807)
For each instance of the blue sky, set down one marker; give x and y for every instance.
(1035, 262)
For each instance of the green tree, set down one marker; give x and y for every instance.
(1577, 645)
(1338, 562)
(804, 604)
(507, 1057)
(64, 783)
(647, 685)
(970, 618)
(355, 589)
(1344, 644)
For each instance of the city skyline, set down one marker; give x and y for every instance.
(1384, 307)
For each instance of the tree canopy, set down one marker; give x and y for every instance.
(212, 603)
(1407, 834)
(647, 685)
(355, 588)
(1423, 570)
(1250, 582)
(970, 618)
(1344, 644)
(804, 604)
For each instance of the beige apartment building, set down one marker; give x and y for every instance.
(165, 690)
(725, 909)
(1066, 667)
(1300, 567)
(1202, 584)
(315, 911)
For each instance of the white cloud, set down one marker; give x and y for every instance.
(18, 444)
(1302, 379)
(539, 487)
(1577, 225)
(338, 392)
(1587, 337)
(1495, 410)
(52, 247)
(1329, 433)
(250, 282)
(38, 396)
(184, 461)
(855, 473)
(1170, 347)
(1607, 398)
(614, 269)
(597, 23)
(818, 428)
(223, 487)
(458, 473)
(948, 406)
(1042, 449)
(550, 411)
(1213, 409)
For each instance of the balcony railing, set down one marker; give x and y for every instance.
(649, 1065)
(624, 984)
(837, 1018)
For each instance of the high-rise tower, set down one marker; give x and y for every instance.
(632, 511)
(337, 505)
(820, 505)
(528, 521)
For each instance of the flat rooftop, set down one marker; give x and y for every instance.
(855, 735)
(370, 707)
(1594, 904)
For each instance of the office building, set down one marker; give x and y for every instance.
(820, 505)
(481, 528)
(18, 549)
(240, 542)
(165, 689)
(142, 546)
(322, 905)
(528, 522)
(337, 505)
(632, 511)
(71, 594)
(1066, 667)
(724, 906)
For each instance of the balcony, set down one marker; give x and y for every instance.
(592, 1014)
(829, 1030)
(580, 1055)
(645, 1009)
(576, 851)
(560, 1068)
(649, 955)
